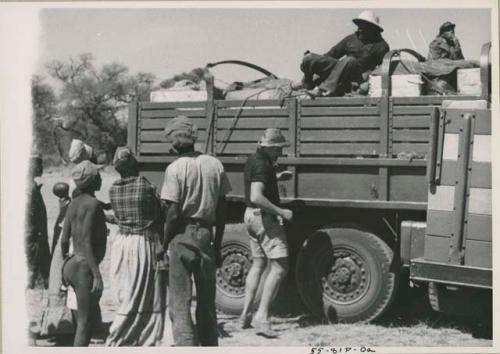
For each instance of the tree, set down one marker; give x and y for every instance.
(196, 75)
(45, 138)
(93, 102)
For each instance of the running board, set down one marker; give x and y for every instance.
(460, 275)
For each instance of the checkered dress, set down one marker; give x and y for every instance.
(136, 205)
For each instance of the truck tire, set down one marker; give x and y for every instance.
(460, 301)
(231, 276)
(345, 275)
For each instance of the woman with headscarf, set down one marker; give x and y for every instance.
(136, 278)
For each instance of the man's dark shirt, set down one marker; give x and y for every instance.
(259, 168)
(369, 53)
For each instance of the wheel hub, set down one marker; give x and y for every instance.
(235, 266)
(346, 279)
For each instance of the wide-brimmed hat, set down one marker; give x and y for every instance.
(181, 128)
(79, 151)
(273, 137)
(445, 26)
(368, 16)
(84, 173)
(123, 159)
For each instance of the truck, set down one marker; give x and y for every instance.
(382, 187)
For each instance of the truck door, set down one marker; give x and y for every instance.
(458, 238)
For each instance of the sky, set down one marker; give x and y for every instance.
(167, 41)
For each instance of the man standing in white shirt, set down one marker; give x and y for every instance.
(193, 191)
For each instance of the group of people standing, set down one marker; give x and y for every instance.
(166, 238)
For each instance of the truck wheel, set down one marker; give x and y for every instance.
(231, 276)
(345, 275)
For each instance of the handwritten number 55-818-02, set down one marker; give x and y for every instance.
(331, 350)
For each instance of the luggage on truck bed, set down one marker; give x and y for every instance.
(267, 88)
(184, 90)
(439, 77)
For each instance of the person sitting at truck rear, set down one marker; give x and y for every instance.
(446, 44)
(263, 219)
(349, 61)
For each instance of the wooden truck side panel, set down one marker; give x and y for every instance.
(344, 151)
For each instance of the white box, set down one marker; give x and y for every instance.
(401, 85)
(406, 85)
(173, 95)
(375, 85)
(469, 81)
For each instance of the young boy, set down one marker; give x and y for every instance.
(85, 223)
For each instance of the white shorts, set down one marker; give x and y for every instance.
(267, 235)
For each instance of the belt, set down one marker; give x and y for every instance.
(194, 221)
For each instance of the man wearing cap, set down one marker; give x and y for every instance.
(446, 44)
(85, 224)
(349, 61)
(137, 283)
(263, 219)
(193, 191)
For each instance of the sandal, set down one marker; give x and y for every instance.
(264, 329)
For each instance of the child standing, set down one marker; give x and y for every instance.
(85, 225)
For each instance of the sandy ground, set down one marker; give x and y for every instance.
(411, 323)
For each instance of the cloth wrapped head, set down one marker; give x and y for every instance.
(124, 161)
(446, 27)
(85, 173)
(79, 151)
(181, 130)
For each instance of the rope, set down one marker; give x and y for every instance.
(286, 94)
(237, 117)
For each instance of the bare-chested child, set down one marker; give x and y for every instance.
(85, 224)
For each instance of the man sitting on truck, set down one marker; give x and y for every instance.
(263, 219)
(446, 44)
(349, 61)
